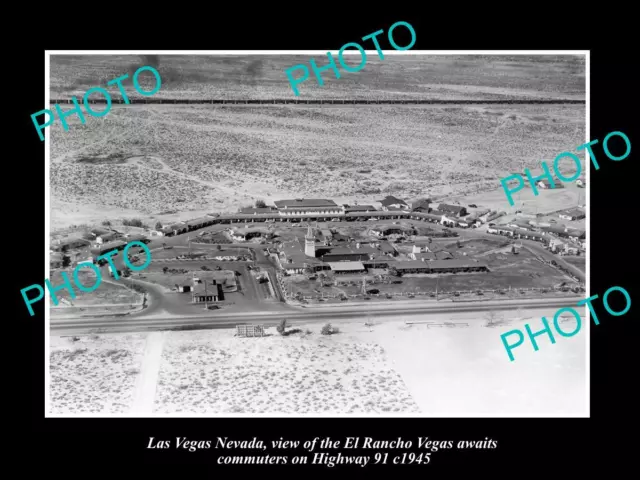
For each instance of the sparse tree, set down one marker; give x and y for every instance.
(165, 270)
(282, 326)
(164, 245)
(308, 270)
(513, 249)
(126, 272)
(66, 261)
(158, 226)
(260, 204)
(106, 223)
(218, 247)
(492, 317)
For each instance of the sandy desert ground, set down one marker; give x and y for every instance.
(389, 368)
(167, 162)
(158, 161)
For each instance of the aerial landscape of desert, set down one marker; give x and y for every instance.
(373, 242)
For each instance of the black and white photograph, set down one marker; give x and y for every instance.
(293, 234)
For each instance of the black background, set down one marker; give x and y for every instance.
(539, 446)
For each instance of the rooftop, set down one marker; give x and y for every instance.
(360, 208)
(438, 264)
(305, 202)
(445, 207)
(391, 200)
(254, 211)
(345, 266)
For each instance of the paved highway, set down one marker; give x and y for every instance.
(60, 326)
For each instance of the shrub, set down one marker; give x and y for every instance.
(260, 204)
(329, 330)
(106, 223)
(133, 222)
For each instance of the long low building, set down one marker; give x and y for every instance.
(293, 216)
(440, 266)
(347, 267)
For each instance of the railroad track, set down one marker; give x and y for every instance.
(166, 101)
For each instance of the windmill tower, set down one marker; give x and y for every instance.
(310, 243)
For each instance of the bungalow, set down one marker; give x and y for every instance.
(394, 203)
(423, 256)
(560, 230)
(521, 233)
(359, 208)
(581, 182)
(556, 245)
(69, 244)
(450, 222)
(455, 210)
(247, 233)
(572, 214)
(469, 222)
(421, 205)
(387, 249)
(481, 212)
(179, 228)
(521, 225)
(385, 230)
(502, 230)
(433, 217)
(570, 249)
(416, 248)
(203, 292)
(107, 247)
(576, 235)
(106, 237)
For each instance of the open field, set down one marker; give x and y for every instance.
(578, 261)
(95, 374)
(263, 77)
(136, 161)
(109, 292)
(387, 368)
